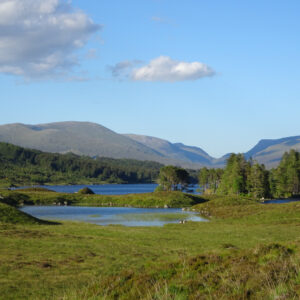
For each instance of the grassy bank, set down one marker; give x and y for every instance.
(46, 197)
(11, 215)
(246, 251)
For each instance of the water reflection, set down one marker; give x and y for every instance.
(114, 215)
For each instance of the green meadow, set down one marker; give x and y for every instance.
(246, 251)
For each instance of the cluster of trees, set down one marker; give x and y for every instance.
(285, 179)
(209, 179)
(251, 178)
(240, 176)
(173, 178)
(26, 167)
(244, 177)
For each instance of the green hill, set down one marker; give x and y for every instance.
(82, 138)
(20, 166)
(12, 215)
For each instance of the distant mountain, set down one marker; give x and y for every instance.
(178, 152)
(90, 139)
(81, 138)
(269, 152)
(84, 138)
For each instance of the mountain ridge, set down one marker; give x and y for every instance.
(91, 139)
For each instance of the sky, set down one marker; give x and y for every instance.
(220, 75)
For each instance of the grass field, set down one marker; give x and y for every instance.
(41, 196)
(246, 251)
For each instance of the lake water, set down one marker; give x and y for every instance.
(110, 189)
(126, 216)
(280, 201)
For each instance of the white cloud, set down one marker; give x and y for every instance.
(165, 69)
(39, 38)
(121, 68)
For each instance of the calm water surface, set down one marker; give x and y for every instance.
(280, 201)
(110, 189)
(113, 215)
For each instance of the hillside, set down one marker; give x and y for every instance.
(269, 152)
(20, 166)
(94, 140)
(177, 151)
(10, 214)
(84, 138)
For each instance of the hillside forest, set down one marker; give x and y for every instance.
(20, 166)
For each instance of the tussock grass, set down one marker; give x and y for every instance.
(10, 214)
(157, 199)
(264, 272)
(246, 251)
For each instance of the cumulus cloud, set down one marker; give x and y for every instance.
(39, 38)
(121, 69)
(166, 69)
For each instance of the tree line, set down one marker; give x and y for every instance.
(247, 177)
(20, 166)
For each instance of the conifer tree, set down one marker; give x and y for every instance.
(234, 179)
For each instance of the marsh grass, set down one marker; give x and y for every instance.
(41, 196)
(246, 251)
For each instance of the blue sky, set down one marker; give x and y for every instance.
(111, 62)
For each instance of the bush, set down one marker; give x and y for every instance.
(86, 191)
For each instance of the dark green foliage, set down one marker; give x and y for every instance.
(28, 167)
(86, 191)
(14, 199)
(171, 177)
(250, 178)
(234, 179)
(10, 214)
(286, 176)
(209, 179)
(244, 177)
(257, 181)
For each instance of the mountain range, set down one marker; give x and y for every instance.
(90, 139)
